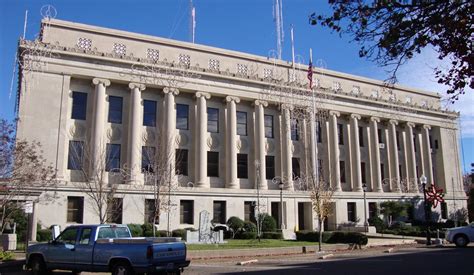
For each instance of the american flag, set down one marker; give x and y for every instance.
(310, 74)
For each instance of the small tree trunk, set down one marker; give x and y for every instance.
(320, 222)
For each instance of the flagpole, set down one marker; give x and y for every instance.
(292, 47)
(314, 152)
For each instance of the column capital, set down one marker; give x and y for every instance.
(334, 113)
(375, 119)
(427, 127)
(393, 121)
(286, 106)
(232, 98)
(133, 85)
(259, 102)
(411, 124)
(356, 116)
(97, 81)
(203, 94)
(173, 91)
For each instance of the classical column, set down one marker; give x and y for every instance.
(97, 145)
(286, 146)
(395, 183)
(170, 128)
(428, 163)
(377, 176)
(357, 176)
(334, 145)
(134, 132)
(201, 141)
(411, 160)
(231, 142)
(260, 143)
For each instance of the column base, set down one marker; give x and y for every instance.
(202, 184)
(232, 185)
(378, 190)
(358, 189)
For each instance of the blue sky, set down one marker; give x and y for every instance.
(241, 25)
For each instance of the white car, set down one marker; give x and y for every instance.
(461, 236)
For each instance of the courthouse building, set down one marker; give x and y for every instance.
(237, 123)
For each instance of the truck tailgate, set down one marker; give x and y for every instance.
(169, 252)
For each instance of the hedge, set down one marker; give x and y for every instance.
(272, 235)
(135, 229)
(43, 235)
(247, 235)
(333, 237)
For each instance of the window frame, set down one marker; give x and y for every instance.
(268, 118)
(75, 158)
(79, 111)
(110, 159)
(351, 212)
(294, 132)
(147, 164)
(242, 166)
(340, 134)
(115, 110)
(77, 210)
(215, 172)
(182, 116)
(181, 161)
(212, 121)
(149, 114)
(183, 219)
(219, 216)
(241, 124)
(269, 169)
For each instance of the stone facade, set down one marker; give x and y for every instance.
(383, 138)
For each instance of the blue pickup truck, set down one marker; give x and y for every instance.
(107, 248)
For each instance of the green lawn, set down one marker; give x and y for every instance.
(239, 244)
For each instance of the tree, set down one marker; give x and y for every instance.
(160, 176)
(23, 169)
(97, 177)
(392, 32)
(321, 200)
(393, 210)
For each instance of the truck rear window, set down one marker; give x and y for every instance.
(113, 232)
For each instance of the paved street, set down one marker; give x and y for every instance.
(403, 260)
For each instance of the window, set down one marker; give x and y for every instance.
(182, 116)
(398, 140)
(362, 172)
(431, 141)
(373, 212)
(79, 105)
(148, 157)
(249, 211)
(213, 164)
(340, 133)
(186, 212)
(342, 168)
(242, 166)
(115, 109)
(149, 113)
(76, 155)
(436, 144)
(114, 213)
(242, 123)
(380, 135)
(219, 215)
(444, 210)
(294, 129)
(319, 135)
(269, 167)
(382, 171)
(351, 212)
(268, 120)
(361, 136)
(68, 236)
(151, 209)
(75, 209)
(85, 236)
(414, 143)
(213, 120)
(295, 163)
(113, 157)
(400, 171)
(181, 162)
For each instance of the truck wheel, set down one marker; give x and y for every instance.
(122, 268)
(461, 241)
(38, 267)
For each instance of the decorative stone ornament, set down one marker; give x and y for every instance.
(153, 55)
(214, 65)
(119, 49)
(84, 44)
